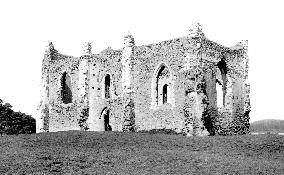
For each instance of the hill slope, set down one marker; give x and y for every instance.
(140, 153)
(267, 125)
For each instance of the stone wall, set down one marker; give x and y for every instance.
(107, 62)
(63, 116)
(234, 118)
(150, 112)
(189, 66)
(57, 115)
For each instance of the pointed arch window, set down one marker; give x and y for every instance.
(221, 83)
(66, 92)
(162, 83)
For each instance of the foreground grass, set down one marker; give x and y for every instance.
(140, 153)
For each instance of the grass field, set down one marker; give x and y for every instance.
(76, 152)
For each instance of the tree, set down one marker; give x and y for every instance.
(15, 122)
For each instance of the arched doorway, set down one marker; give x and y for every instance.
(105, 116)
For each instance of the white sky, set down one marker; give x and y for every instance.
(27, 26)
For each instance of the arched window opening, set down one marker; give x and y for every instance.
(107, 86)
(221, 82)
(162, 85)
(165, 93)
(220, 96)
(66, 92)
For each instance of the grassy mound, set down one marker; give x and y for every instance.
(268, 125)
(76, 152)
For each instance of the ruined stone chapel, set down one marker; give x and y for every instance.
(189, 84)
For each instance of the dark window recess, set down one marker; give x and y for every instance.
(165, 93)
(107, 86)
(66, 92)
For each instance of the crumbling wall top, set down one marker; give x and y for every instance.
(129, 40)
(87, 48)
(195, 30)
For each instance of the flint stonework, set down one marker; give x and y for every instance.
(166, 85)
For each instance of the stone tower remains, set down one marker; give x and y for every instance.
(189, 84)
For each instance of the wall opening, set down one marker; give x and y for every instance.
(165, 93)
(105, 116)
(221, 83)
(219, 89)
(107, 86)
(66, 92)
(162, 85)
